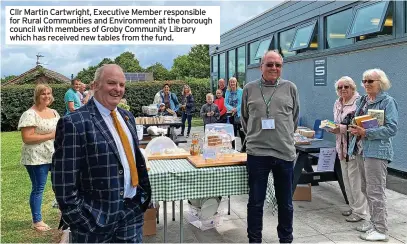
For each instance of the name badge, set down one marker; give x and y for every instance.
(268, 124)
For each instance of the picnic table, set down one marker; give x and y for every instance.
(178, 180)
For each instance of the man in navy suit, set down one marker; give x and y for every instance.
(93, 173)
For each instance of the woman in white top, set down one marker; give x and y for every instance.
(38, 126)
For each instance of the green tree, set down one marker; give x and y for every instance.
(87, 75)
(199, 61)
(128, 62)
(160, 73)
(7, 78)
(194, 64)
(180, 67)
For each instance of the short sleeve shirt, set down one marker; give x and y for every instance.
(41, 153)
(72, 96)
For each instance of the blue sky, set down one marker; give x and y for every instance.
(70, 59)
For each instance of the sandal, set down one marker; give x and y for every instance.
(353, 218)
(40, 228)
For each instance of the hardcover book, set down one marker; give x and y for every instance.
(327, 124)
(359, 119)
(378, 114)
(370, 123)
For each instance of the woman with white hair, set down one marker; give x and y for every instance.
(374, 150)
(344, 109)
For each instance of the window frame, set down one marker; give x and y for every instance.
(278, 34)
(325, 17)
(380, 25)
(313, 22)
(237, 62)
(228, 60)
(270, 38)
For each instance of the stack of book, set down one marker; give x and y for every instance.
(366, 121)
(327, 124)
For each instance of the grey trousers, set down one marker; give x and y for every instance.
(374, 173)
(353, 185)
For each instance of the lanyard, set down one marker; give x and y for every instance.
(269, 100)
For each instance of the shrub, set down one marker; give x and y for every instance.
(16, 99)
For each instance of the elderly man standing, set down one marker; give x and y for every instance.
(270, 107)
(222, 86)
(99, 175)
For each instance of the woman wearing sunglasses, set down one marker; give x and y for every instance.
(345, 107)
(374, 150)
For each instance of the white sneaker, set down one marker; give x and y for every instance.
(367, 225)
(373, 235)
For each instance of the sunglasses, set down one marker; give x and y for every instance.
(368, 81)
(341, 87)
(271, 65)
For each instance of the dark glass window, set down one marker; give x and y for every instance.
(285, 38)
(222, 66)
(336, 26)
(241, 65)
(231, 63)
(303, 37)
(371, 20)
(264, 46)
(252, 52)
(215, 74)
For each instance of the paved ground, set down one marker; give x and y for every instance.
(317, 221)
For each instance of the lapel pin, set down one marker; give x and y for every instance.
(126, 118)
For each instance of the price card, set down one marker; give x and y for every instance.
(326, 161)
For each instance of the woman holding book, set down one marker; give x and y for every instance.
(373, 149)
(345, 107)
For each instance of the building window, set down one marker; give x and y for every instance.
(241, 65)
(231, 63)
(371, 19)
(215, 74)
(264, 46)
(336, 26)
(285, 38)
(303, 36)
(252, 51)
(222, 66)
(405, 16)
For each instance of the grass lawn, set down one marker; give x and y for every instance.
(15, 192)
(197, 122)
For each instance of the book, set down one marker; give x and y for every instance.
(378, 114)
(361, 118)
(327, 124)
(370, 123)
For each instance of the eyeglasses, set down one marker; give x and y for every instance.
(368, 81)
(271, 65)
(341, 87)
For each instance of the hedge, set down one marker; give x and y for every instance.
(16, 99)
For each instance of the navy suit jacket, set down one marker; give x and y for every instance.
(86, 172)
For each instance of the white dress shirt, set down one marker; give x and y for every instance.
(129, 190)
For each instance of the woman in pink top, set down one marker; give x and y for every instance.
(344, 109)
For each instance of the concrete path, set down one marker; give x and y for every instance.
(317, 221)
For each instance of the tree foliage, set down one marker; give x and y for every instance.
(159, 72)
(18, 98)
(7, 78)
(194, 64)
(128, 62)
